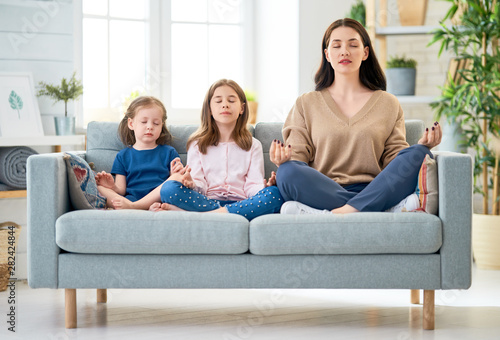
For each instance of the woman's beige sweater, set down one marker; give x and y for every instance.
(347, 150)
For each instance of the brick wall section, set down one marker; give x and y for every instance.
(431, 70)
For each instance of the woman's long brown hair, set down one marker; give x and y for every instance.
(370, 72)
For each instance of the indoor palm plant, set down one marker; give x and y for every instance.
(472, 99)
(68, 90)
(253, 106)
(358, 12)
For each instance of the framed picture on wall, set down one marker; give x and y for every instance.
(19, 112)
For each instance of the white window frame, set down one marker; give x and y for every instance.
(192, 116)
(159, 80)
(152, 51)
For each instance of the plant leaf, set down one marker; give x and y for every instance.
(15, 101)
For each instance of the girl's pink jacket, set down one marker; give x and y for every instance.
(226, 172)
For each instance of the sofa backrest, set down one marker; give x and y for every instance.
(103, 142)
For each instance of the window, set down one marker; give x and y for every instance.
(115, 54)
(206, 46)
(170, 49)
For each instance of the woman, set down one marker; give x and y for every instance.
(346, 141)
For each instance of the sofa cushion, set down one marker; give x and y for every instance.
(103, 142)
(266, 133)
(361, 233)
(147, 232)
(82, 185)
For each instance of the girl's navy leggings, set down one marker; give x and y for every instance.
(266, 201)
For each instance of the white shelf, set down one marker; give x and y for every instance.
(405, 30)
(44, 140)
(416, 99)
(37, 141)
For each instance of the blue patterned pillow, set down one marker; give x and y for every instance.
(82, 186)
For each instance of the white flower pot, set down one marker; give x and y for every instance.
(401, 81)
(65, 126)
(486, 241)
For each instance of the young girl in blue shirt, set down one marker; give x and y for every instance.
(225, 164)
(147, 161)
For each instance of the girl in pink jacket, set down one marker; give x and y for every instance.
(225, 164)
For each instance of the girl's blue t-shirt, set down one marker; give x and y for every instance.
(144, 169)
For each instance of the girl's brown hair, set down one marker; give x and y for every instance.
(370, 72)
(127, 136)
(208, 133)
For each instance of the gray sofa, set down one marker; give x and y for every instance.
(141, 249)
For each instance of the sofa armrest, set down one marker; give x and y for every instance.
(47, 198)
(455, 176)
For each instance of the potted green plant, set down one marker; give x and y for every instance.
(358, 12)
(474, 103)
(130, 98)
(253, 106)
(68, 90)
(401, 73)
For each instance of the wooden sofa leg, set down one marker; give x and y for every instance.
(102, 296)
(70, 308)
(428, 322)
(415, 296)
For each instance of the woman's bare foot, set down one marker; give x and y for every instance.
(122, 203)
(346, 209)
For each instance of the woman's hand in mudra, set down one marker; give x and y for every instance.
(432, 137)
(279, 153)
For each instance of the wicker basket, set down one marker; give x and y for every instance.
(9, 232)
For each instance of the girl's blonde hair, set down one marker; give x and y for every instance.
(127, 136)
(208, 133)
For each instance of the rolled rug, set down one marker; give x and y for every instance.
(5, 187)
(13, 166)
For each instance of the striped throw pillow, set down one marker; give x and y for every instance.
(427, 188)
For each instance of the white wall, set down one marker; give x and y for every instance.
(314, 18)
(288, 38)
(35, 37)
(276, 57)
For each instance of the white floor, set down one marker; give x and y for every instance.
(256, 314)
